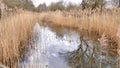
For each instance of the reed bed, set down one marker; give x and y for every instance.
(15, 34)
(16, 30)
(92, 24)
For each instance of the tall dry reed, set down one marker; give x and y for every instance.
(15, 33)
(16, 30)
(88, 23)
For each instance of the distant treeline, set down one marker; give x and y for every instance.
(60, 5)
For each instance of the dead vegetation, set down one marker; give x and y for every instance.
(15, 33)
(16, 30)
(87, 23)
(92, 24)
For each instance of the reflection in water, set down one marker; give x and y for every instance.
(92, 55)
(50, 50)
(68, 51)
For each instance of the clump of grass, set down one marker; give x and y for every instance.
(15, 34)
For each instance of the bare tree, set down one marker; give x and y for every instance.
(41, 7)
(92, 4)
(25, 4)
(116, 3)
(56, 6)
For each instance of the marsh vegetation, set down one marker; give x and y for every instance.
(75, 38)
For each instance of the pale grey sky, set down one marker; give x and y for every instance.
(48, 2)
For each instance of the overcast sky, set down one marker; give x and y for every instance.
(48, 2)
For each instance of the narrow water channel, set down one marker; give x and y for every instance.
(50, 49)
(66, 51)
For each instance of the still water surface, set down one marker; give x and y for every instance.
(66, 51)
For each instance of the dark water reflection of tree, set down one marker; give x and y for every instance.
(91, 55)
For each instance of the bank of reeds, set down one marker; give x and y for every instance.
(15, 33)
(16, 30)
(87, 23)
(92, 24)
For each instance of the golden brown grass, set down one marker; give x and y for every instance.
(15, 33)
(91, 24)
(94, 24)
(16, 30)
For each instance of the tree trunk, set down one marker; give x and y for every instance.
(0, 13)
(119, 3)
